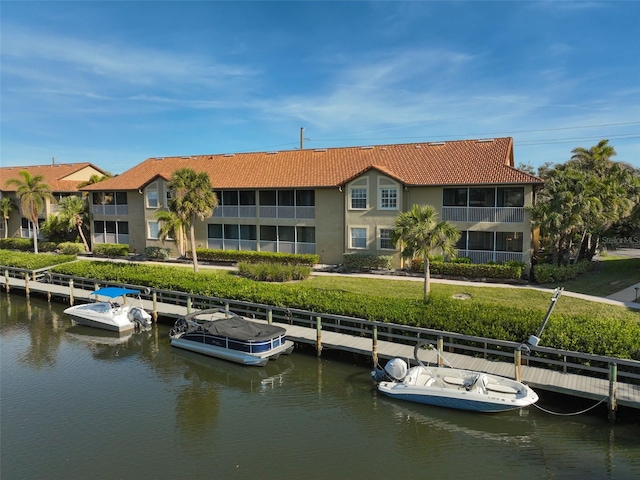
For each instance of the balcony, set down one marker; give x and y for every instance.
(483, 214)
(486, 256)
(110, 210)
(265, 246)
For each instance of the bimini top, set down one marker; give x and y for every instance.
(113, 292)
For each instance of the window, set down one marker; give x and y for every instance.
(454, 197)
(461, 244)
(152, 196)
(248, 232)
(214, 231)
(306, 234)
(481, 241)
(152, 228)
(385, 239)
(305, 198)
(286, 234)
(268, 233)
(229, 197)
(285, 198)
(510, 196)
(248, 197)
(267, 197)
(482, 197)
(358, 237)
(358, 198)
(388, 198)
(509, 241)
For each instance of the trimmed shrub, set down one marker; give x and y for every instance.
(31, 261)
(47, 246)
(22, 244)
(251, 256)
(273, 272)
(470, 270)
(111, 249)
(157, 253)
(70, 248)
(359, 261)
(548, 273)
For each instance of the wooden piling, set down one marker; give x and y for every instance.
(319, 336)
(71, 291)
(518, 362)
(374, 349)
(269, 316)
(6, 280)
(613, 378)
(440, 351)
(26, 285)
(189, 304)
(154, 297)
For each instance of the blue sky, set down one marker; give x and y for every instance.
(114, 83)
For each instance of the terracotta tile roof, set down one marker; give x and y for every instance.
(461, 162)
(54, 175)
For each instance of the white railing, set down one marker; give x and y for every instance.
(486, 256)
(483, 214)
(111, 238)
(272, 211)
(110, 209)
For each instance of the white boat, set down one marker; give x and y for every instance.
(452, 387)
(223, 334)
(113, 313)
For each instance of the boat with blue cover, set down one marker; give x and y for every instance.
(223, 334)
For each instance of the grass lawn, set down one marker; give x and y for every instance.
(610, 274)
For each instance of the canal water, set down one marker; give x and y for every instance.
(79, 403)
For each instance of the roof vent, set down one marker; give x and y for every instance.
(418, 146)
(484, 140)
(229, 155)
(368, 147)
(159, 158)
(320, 150)
(437, 143)
(271, 153)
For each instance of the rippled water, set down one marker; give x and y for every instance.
(76, 402)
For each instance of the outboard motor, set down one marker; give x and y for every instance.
(395, 369)
(140, 317)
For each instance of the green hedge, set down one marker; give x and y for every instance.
(70, 248)
(251, 256)
(547, 273)
(157, 253)
(471, 270)
(273, 272)
(111, 249)
(31, 261)
(26, 245)
(359, 261)
(583, 333)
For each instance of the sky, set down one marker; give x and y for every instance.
(114, 83)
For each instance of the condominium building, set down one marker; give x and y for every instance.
(332, 201)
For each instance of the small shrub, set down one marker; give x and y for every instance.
(548, 273)
(47, 246)
(111, 249)
(273, 272)
(157, 253)
(70, 248)
(251, 256)
(22, 244)
(357, 261)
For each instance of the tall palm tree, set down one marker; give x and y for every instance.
(6, 205)
(192, 198)
(95, 179)
(171, 226)
(422, 233)
(71, 213)
(32, 192)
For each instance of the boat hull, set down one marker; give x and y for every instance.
(83, 317)
(236, 356)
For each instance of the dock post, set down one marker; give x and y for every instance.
(154, 297)
(440, 351)
(319, 336)
(6, 280)
(518, 361)
(269, 316)
(189, 304)
(375, 345)
(71, 291)
(613, 377)
(96, 286)
(26, 284)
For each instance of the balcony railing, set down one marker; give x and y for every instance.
(265, 246)
(110, 210)
(483, 214)
(486, 256)
(110, 238)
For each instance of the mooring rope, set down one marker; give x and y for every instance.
(571, 414)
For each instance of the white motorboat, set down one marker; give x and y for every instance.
(223, 334)
(113, 313)
(452, 387)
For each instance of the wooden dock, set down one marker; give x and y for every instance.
(584, 386)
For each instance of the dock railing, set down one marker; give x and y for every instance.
(628, 371)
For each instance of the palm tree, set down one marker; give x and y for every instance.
(71, 213)
(192, 198)
(421, 232)
(171, 226)
(6, 205)
(32, 192)
(95, 179)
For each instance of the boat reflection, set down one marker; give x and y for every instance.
(108, 345)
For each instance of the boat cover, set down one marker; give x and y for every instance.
(240, 329)
(113, 292)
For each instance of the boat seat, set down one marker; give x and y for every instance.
(494, 387)
(454, 381)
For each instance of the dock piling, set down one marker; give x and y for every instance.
(319, 336)
(613, 377)
(71, 291)
(374, 349)
(518, 362)
(6, 280)
(154, 297)
(26, 285)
